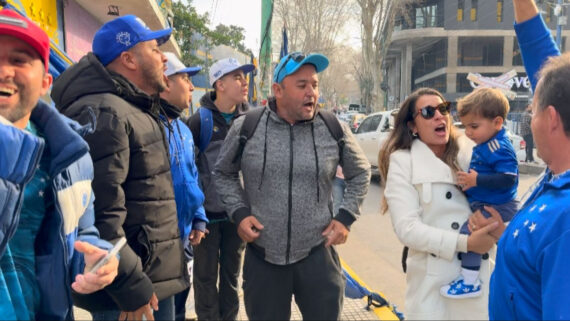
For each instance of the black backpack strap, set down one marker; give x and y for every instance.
(248, 127)
(334, 128)
(404, 259)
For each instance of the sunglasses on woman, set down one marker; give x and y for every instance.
(428, 112)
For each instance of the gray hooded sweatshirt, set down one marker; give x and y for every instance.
(288, 171)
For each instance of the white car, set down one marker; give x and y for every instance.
(372, 133)
(518, 142)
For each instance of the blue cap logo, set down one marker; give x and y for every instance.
(124, 38)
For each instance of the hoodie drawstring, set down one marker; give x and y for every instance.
(316, 162)
(264, 153)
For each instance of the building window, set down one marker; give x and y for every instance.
(427, 16)
(499, 11)
(473, 10)
(438, 83)
(432, 58)
(480, 51)
(460, 9)
(546, 9)
(517, 57)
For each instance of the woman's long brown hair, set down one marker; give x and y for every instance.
(401, 137)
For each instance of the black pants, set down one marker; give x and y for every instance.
(316, 282)
(529, 147)
(221, 246)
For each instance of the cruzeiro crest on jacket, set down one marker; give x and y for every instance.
(493, 145)
(74, 201)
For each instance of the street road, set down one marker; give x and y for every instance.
(374, 252)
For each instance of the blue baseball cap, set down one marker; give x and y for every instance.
(123, 33)
(292, 62)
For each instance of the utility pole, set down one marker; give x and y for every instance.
(560, 21)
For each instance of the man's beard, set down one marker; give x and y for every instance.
(156, 80)
(19, 111)
(13, 115)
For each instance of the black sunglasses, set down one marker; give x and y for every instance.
(296, 56)
(428, 112)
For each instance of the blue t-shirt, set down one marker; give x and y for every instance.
(531, 279)
(497, 155)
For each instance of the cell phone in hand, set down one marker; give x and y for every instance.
(113, 252)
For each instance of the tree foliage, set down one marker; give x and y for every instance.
(377, 19)
(232, 36)
(192, 34)
(314, 26)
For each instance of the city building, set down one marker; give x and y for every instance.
(71, 24)
(437, 43)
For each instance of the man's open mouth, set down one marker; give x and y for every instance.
(6, 92)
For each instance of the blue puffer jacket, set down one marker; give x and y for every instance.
(70, 219)
(189, 197)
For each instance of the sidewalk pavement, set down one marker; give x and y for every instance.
(353, 309)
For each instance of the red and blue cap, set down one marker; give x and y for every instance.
(15, 25)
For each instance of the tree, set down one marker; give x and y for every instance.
(192, 33)
(313, 26)
(232, 36)
(377, 25)
(188, 26)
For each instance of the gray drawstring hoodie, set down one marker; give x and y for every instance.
(288, 171)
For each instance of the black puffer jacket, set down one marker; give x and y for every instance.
(207, 159)
(133, 185)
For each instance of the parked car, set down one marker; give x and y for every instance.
(346, 116)
(372, 133)
(518, 142)
(355, 121)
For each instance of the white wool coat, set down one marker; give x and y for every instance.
(427, 210)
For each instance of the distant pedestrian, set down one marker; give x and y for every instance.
(526, 133)
(284, 208)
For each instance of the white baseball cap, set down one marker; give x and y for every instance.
(175, 66)
(223, 67)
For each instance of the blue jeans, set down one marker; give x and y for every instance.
(472, 260)
(165, 312)
(338, 187)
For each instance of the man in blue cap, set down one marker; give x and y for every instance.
(284, 210)
(118, 84)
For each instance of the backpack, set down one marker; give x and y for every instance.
(249, 126)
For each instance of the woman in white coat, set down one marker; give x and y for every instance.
(418, 165)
